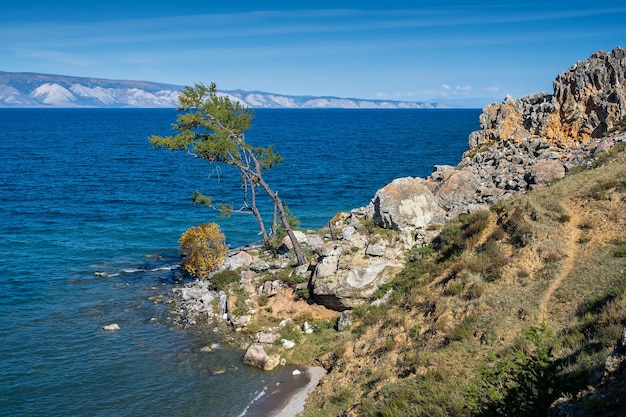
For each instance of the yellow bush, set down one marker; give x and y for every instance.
(204, 249)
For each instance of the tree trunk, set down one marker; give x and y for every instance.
(297, 249)
(257, 215)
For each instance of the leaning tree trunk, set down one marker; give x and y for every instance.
(255, 211)
(297, 249)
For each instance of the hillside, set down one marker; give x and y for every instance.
(513, 291)
(505, 312)
(22, 89)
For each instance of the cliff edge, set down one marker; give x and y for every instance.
(588, 100)
(523, 144)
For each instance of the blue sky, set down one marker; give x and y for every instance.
(401, 50)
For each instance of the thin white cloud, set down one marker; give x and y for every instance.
(272, 23)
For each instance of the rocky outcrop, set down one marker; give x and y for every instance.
(588, 100)
(346, 276)
(589, 97)
(523, 144)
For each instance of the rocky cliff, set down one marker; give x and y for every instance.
(523, 144)
(588, 100)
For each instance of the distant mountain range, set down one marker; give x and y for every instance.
(24, 89)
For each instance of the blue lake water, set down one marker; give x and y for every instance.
(82, 191)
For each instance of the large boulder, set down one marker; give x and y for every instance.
(238, 260)
(455, 187)
(543, 173)
(404, 204)
(256, 356)
(344, 279)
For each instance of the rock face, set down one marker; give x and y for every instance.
(589, 97)
(345, 278)
(523, 144)
(588, 100)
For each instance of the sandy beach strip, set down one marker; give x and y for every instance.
(287, 397)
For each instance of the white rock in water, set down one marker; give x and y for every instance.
(296, 372)
(111, 327)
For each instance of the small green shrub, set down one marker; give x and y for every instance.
(280, 232)
(474, 291)
(602, 190)
(341, 396)
(262, 300)
(620, 248)
(291, 332)
(453, 288)
(464, 330)
(241, 307)
(489, 261)
(304, 293)
(564, 218)
(221, 280)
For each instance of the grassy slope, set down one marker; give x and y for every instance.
(514, 307)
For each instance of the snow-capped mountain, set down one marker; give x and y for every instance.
(21, 89)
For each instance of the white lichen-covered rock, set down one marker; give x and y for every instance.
(345, 321)
(405, 203)
(288, 344)
(242, 258)
(266, 337)
(408, 205)
(300, 237)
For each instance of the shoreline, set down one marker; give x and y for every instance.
(287, 395)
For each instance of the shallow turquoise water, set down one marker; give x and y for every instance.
(82, 191)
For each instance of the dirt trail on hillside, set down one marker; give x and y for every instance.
(571, 235)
